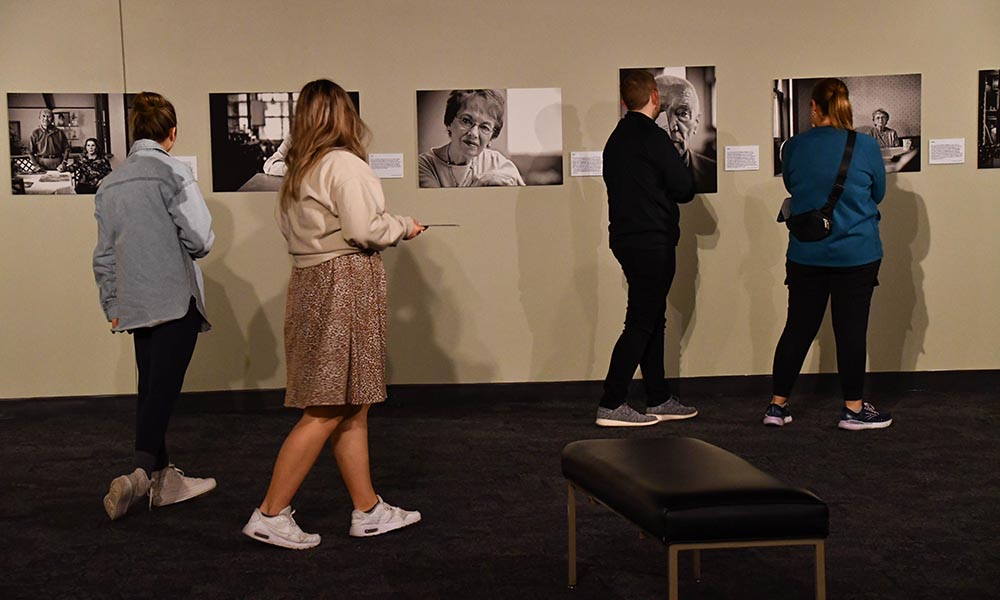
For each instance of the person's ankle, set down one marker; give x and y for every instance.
(853, 405)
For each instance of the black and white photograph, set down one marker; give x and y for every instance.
(65, 143)
(989, 106)
(687, 105)
(886, 107)
(489, 137)
(250, 137)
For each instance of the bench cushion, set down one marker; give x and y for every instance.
(684, 490)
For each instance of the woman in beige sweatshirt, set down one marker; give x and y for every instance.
(332, 213)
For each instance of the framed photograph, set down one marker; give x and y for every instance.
(65, 143)
(886, 107)
(687, 104)
(989, 106)
(250, 139)
(489, 137)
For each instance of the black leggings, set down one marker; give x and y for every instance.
(649, 273)
(850, 292)
(162, 355)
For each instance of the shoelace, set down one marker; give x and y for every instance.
(868, 409)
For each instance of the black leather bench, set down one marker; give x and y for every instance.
(692, 495)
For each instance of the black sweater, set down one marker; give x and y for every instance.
(646, 180)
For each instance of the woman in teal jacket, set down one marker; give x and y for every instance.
(843, 267)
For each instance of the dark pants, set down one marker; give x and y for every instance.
(850, 292)
(162, 355)
(649, 273)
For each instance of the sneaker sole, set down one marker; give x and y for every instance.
(859, 425)
(777, 421)
(194, 492)
(673, 417)
(119, 497)
(613, 423)
(252, 531)
(361, 531)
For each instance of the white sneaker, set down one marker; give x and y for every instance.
(279, 530)
(170, 486)
(125, 491)
(382, 519)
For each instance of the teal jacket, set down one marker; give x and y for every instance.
(152, 223)
(809, 165)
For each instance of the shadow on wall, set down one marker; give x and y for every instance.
(699, 230)
(899, 318)
(227, 357)
(763, 272)
(557, 253)
(898, 321)
(425, 320)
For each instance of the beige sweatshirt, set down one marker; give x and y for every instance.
(341, 211)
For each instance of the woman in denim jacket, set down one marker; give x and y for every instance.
(152, 223)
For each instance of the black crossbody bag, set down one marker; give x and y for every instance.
(816, 224)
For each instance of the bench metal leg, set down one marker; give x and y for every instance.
(820, 570)
(672, 572)
(571, 518)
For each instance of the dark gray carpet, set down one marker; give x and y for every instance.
(915, 509)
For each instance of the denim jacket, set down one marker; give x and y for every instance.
(152, 223)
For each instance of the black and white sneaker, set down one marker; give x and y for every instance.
(777, 415)
(866, 418)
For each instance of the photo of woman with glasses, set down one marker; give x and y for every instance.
(473, 119)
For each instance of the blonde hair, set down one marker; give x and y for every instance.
(325, 119)
(151, 117)
(833, 100)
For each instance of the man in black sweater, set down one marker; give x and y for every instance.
(646, 180)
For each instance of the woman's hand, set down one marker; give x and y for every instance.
(114, 323)
(417, 230)
(495, 178)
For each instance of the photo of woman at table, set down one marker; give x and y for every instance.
(473, 119)
(90, 169)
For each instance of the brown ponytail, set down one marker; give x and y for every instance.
(833, 100)
(151, 117)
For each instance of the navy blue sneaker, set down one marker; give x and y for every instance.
(777, 415)
(867, 418)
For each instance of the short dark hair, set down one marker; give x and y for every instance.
(495, 106)
(636, 88)
(152, 117)
(97, 145)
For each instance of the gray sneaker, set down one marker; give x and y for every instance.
(671, 410)
(124, 492)
(623, 416)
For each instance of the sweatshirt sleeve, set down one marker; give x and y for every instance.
(364, 224)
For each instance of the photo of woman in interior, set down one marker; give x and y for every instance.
(90, 169)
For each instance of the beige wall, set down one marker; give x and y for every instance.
(526, 289)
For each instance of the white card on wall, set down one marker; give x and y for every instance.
(949, 151)
(742, 158)
(387, 166)
(586, 164)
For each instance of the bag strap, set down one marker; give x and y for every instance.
(845, 163)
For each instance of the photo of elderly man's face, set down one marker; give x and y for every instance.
(687, 115)
(44, 118)
(681, 109)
